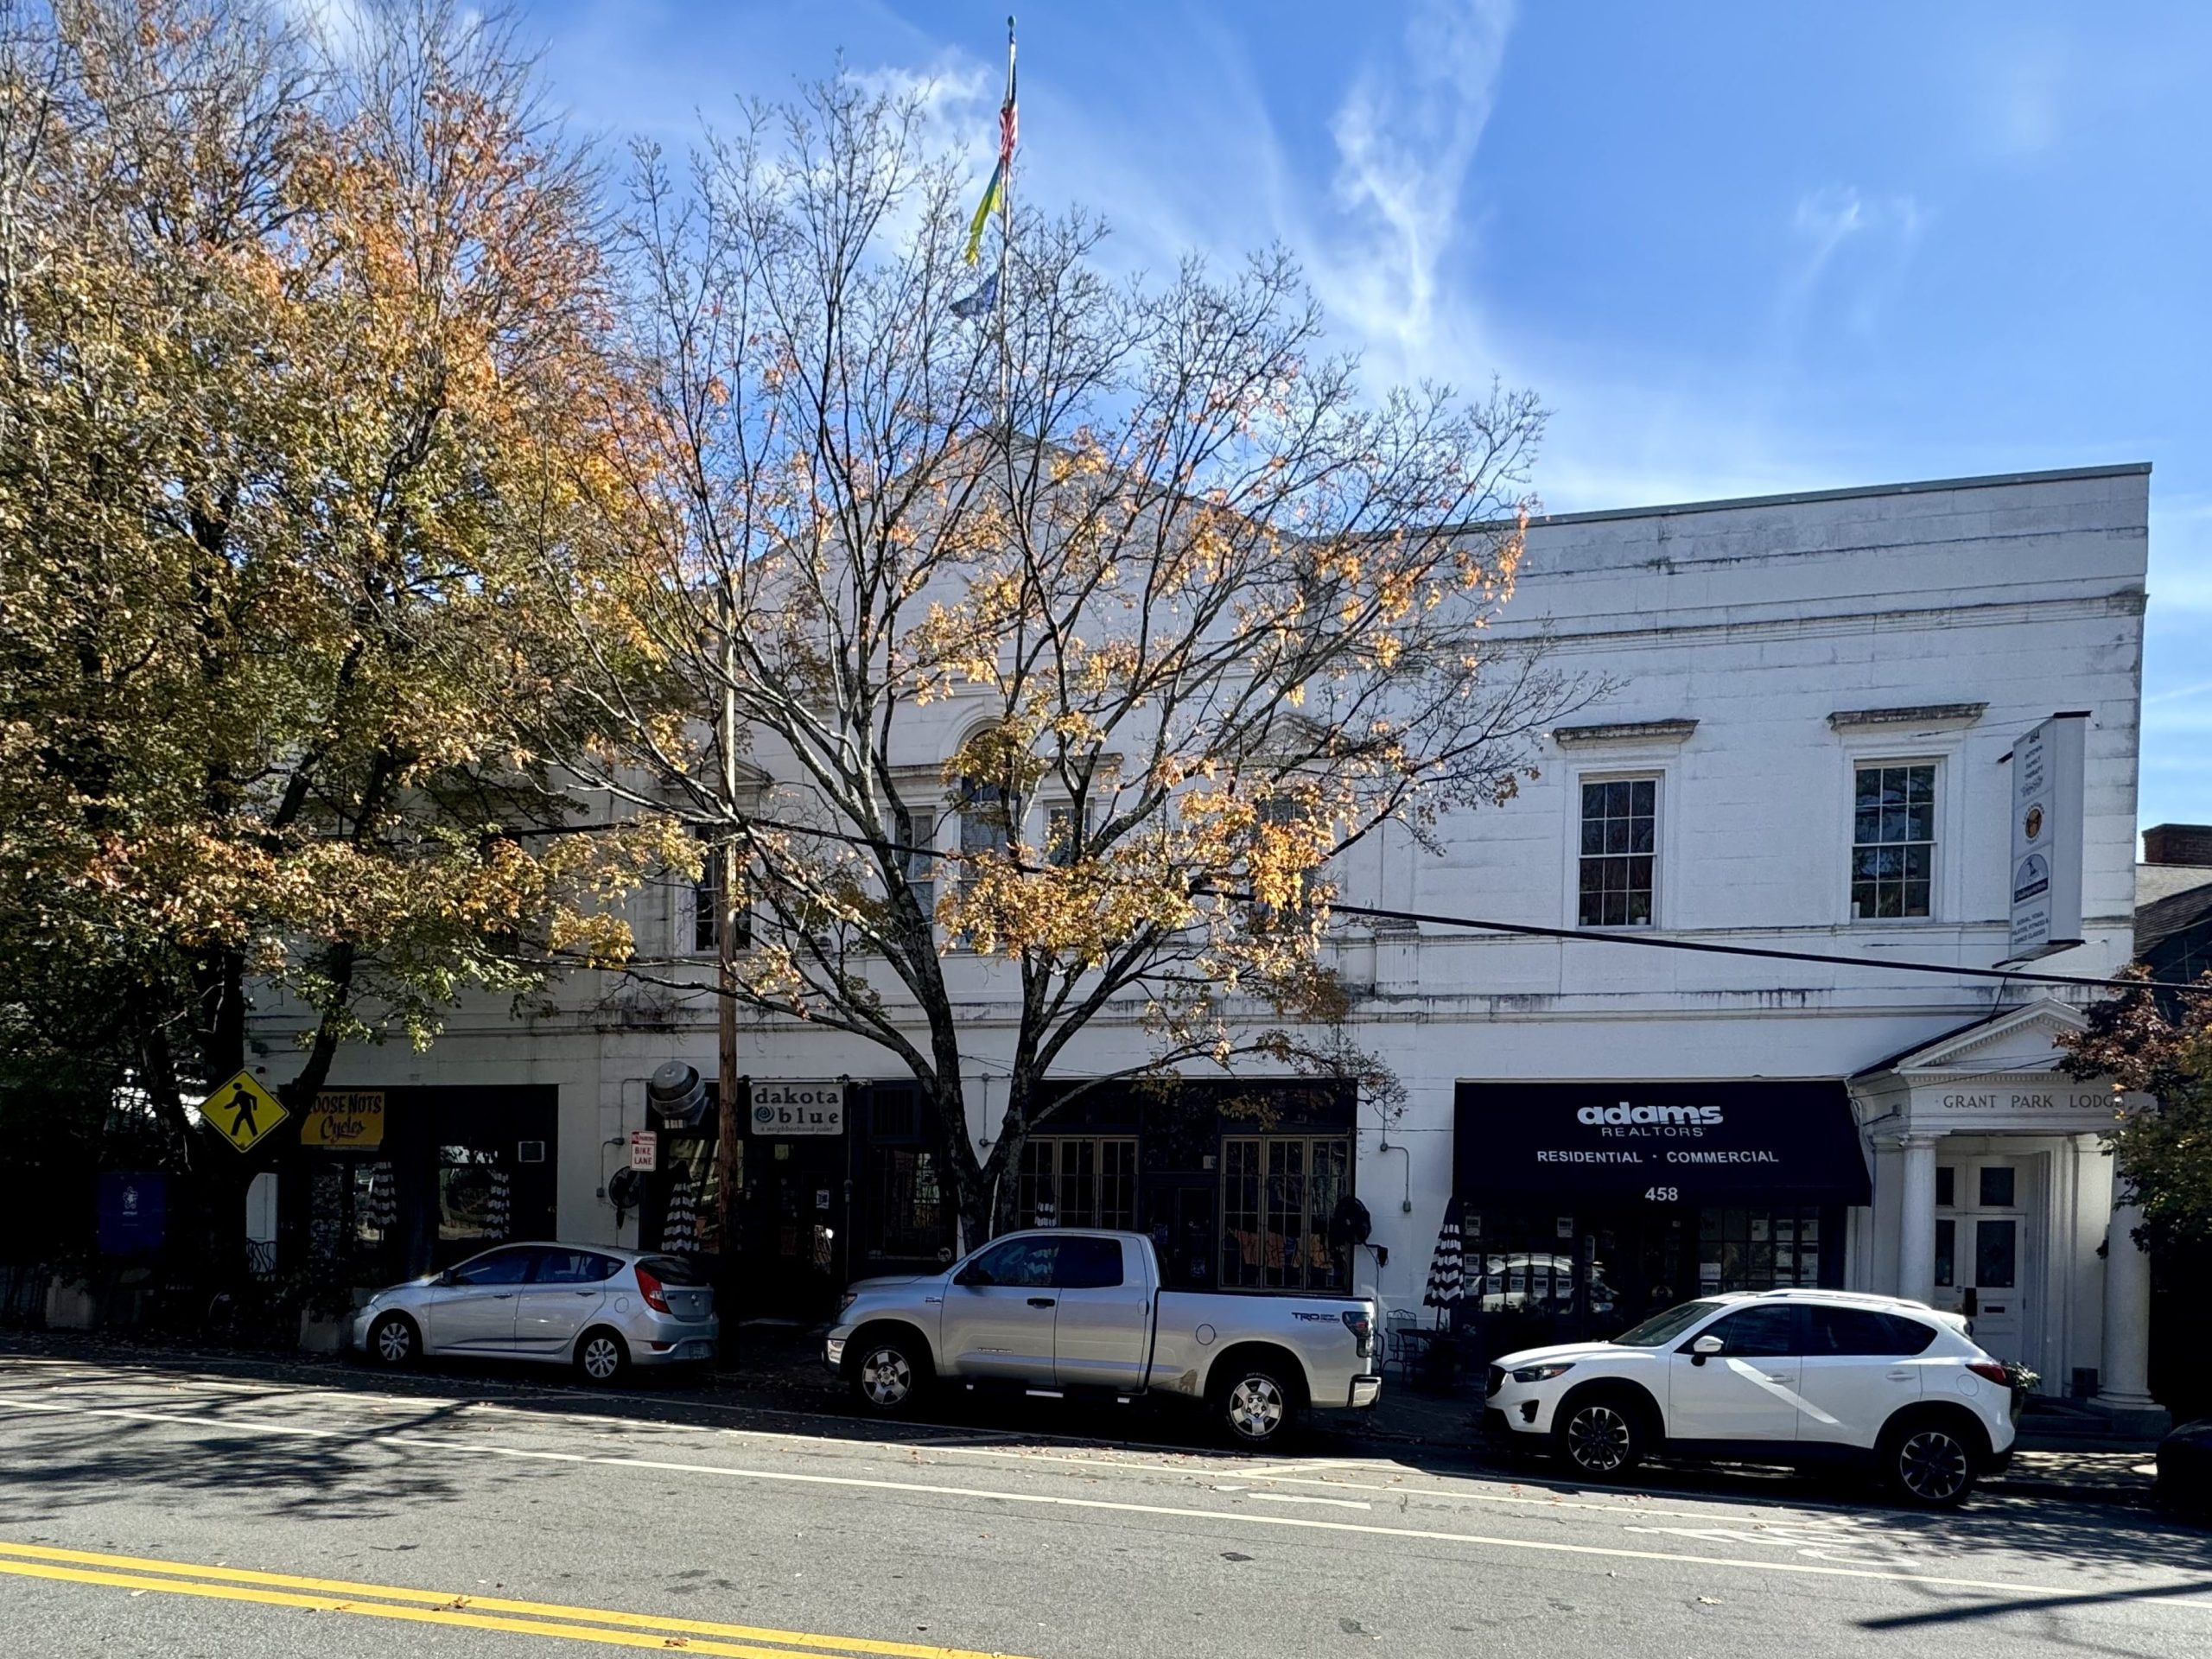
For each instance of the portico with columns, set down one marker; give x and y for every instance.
(1993, 1196)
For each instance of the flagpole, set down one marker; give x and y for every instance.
(1005, 236)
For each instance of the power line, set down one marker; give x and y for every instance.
(1655, 942)
(1530, 930)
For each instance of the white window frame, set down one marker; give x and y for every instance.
(1661, 777)
(1942, 752)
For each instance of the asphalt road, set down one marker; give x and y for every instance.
(245, 1511)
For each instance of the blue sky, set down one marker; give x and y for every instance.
(1734, 247)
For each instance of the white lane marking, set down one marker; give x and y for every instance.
(1300, 1497)
(2180, 1593)
(1013, 1449)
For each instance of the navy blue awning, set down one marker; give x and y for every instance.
(1731, 1142)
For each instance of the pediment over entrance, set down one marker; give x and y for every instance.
(1999, 1074)
(2022, 1039)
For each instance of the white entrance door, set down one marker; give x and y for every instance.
(1983, 1248)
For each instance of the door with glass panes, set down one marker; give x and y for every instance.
(1983, 1249)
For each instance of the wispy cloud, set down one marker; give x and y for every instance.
(1406, 135)
(1883, 232)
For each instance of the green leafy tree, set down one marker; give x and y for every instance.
(2164, 1049)
(300, 363)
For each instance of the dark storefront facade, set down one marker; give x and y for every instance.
(1584, 1207)
(1237, 1183)
(382, 1184)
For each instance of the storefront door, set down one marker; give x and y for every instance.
(1983, 1248)
(794, 1226)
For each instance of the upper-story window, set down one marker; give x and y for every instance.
(1065, 833)
(1893, 839)
(1620, 845)
(706, 908)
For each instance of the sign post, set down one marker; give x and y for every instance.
(2046, 852)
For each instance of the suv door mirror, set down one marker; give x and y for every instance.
(971, 1275)
(1704, 1348)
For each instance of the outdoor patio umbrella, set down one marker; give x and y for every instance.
(1447, 1281)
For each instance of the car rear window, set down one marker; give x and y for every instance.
(672, 1270)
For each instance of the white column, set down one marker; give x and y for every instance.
(1917, 1218)
(2124, 1373)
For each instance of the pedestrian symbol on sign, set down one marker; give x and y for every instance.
(242, 1111)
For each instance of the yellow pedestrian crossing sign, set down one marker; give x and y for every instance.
(242, 1111)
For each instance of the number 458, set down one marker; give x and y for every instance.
(1663, 1194)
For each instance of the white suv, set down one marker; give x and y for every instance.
(1798, 1377)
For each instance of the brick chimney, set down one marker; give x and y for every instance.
(2178, 843)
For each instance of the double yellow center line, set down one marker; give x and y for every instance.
(609, 1629)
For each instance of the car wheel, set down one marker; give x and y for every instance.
(601, 1356)
(1930, 1464)
(1600, 1437)
(394, 1342)
(1255, 1405)
(889, 1375)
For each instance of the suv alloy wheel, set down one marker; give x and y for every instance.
(1930, 1464)
(1600, 1437)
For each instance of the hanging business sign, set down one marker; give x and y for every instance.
(344, 1120)
(786, 1108)
(2046, 863)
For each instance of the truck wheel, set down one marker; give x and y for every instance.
(890, 1373)
(1255, 1402)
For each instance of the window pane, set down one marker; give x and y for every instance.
(1920, 784)
(1995, 1245)
(1090, 1263)
(1757, 1331)
(1947, 1252)
(1997, 1185)
(1616, 800)
(1947, 1179)
(1593, 801)
(1593, 835)
(1870, 787)
(1642, 795)
(500, 1267)
(1617, 835)
(1640, 835)
(1023, 1263)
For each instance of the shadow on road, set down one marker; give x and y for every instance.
(344, 1470)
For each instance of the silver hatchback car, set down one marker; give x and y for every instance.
(599, 1309)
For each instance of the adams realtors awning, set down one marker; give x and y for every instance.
(1709, 1142)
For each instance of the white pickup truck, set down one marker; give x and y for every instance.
(1063, 1312)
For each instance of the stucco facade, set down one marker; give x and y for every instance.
(1765, 659)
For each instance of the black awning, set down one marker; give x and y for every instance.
(1710, 1142)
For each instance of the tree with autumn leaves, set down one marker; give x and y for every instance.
(303, 362)
(2158, 1044)
(1049, 652)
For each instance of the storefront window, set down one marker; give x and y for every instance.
(1278, 1193)
(1758, 1250)
(472, 1198)
(909, 1205)
(1079, 1181)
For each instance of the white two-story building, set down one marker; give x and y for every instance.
(1809, 750)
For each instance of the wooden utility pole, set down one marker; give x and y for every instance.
(730, 1109)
